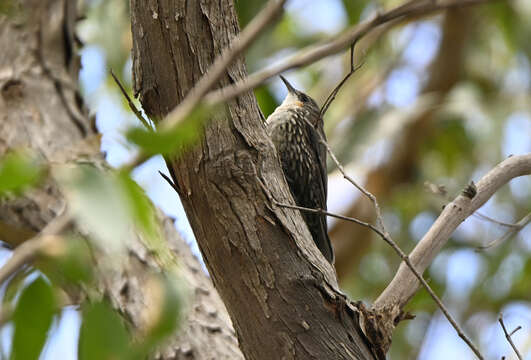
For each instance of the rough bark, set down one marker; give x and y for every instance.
(278, 289)
(41, 109)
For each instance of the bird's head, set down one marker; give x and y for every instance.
(298, 99)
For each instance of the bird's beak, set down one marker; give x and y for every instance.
(291, 89)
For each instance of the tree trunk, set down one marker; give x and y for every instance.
(279, 291)
(41, 109)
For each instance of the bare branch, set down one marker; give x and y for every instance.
(334, 45)
(387, 238)
(519, 327)
(199, 94)
(30, 249)
(334, 92)
(327, 213)
(514, 229)
(404, 285)
(132, 106)
(508, 336)
(404, 257)
(440, 190)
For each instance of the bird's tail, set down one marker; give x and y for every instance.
(319, 230)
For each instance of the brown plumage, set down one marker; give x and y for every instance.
(303, 159)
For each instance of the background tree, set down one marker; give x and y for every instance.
(438, 78)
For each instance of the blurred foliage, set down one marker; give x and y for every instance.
(18, 171)
(6, 7)
(32, 319)
(175, 140)
(103, 334)
(68, 264)
(266, 100)
(353, 10)
(248, 9)
(107, 205)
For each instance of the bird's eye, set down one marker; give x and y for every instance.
(303, 98)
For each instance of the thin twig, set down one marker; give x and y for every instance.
(341, 169)
(200, 92)
(29, 250)
(387, 238)
(334, 92)
(327, 213)
(336, 44)
(515, 228)
(440, 190)
(519, 327)
(494, 221)
(170, 182)
(132, 106)
(508, 336)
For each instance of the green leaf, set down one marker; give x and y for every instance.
(16, 283)
(173, 140)
(140, 207)
(508, 21)
(97, 201)
(354, 10)
(168, 317)
(7, 7)
(450, 143)
(103, 336)
(247, 10)
(18, 170)
(32, 319)
(266, 100)
(69, 263)
(170, 314)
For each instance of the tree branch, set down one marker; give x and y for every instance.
(29, 250)
(200, 92)
(132, 106)
(387, 238)
(508, 336)
(333, 45)
(383, 326)
(513, 230)
(405, 284)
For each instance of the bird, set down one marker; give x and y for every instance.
(296, 129)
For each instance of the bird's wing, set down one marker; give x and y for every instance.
(320, 155)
